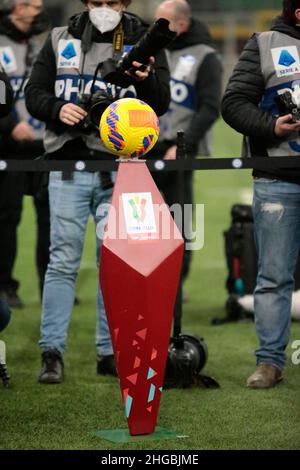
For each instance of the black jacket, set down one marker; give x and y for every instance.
(40, 97)
(208, 84)
(6, 101)
(241, 99)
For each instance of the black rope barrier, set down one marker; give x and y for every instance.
(258, 163)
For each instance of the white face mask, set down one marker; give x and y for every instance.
(105, 19)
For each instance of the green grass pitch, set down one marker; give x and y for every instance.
(34, 416)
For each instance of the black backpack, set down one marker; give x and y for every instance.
(241, 260)
(240, 251)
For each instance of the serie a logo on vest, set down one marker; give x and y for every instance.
(286, 60)
(8, 59)
(69, 53)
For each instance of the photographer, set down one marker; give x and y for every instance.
(63, 72)
(196, 88)
(6, 102)
(268, 66)
(21, 24)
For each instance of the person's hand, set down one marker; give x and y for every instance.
(171, 153)
(22, 131)
(284, 127)
(71, 114)
(144, 73)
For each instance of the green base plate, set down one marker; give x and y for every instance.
(122, 435)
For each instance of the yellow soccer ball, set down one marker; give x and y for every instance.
(129, 128)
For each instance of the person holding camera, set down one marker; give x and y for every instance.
(268, 67)
(6, 103)
(62, 78)
(21, 24)
(196, 88)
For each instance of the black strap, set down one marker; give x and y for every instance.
(118, 42)
(67, 175)
(105, 180)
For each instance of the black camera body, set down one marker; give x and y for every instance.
(286, 105)
(94, 104)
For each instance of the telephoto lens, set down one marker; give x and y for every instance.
(154, 40)
(157, 37)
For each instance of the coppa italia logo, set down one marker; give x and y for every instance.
(138, 206)
(139, 213)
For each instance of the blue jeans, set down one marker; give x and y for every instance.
(276, 210)
(71, 203)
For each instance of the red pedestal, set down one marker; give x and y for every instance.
(140, 268)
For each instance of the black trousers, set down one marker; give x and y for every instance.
(11, 198)
(167, 184)
(4, 315)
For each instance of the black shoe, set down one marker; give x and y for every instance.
(52, 367)
(4, 376)
(106, 365)
(10, 296)
(76, 301)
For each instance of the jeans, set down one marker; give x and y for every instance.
(71, 203)
(276, 211)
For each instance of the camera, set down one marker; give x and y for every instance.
(94, 104)
(289, 103)
(155, 39)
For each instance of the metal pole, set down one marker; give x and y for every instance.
(180, 155)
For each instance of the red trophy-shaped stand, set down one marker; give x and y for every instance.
(140, 268)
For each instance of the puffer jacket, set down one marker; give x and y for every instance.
(241, 103)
